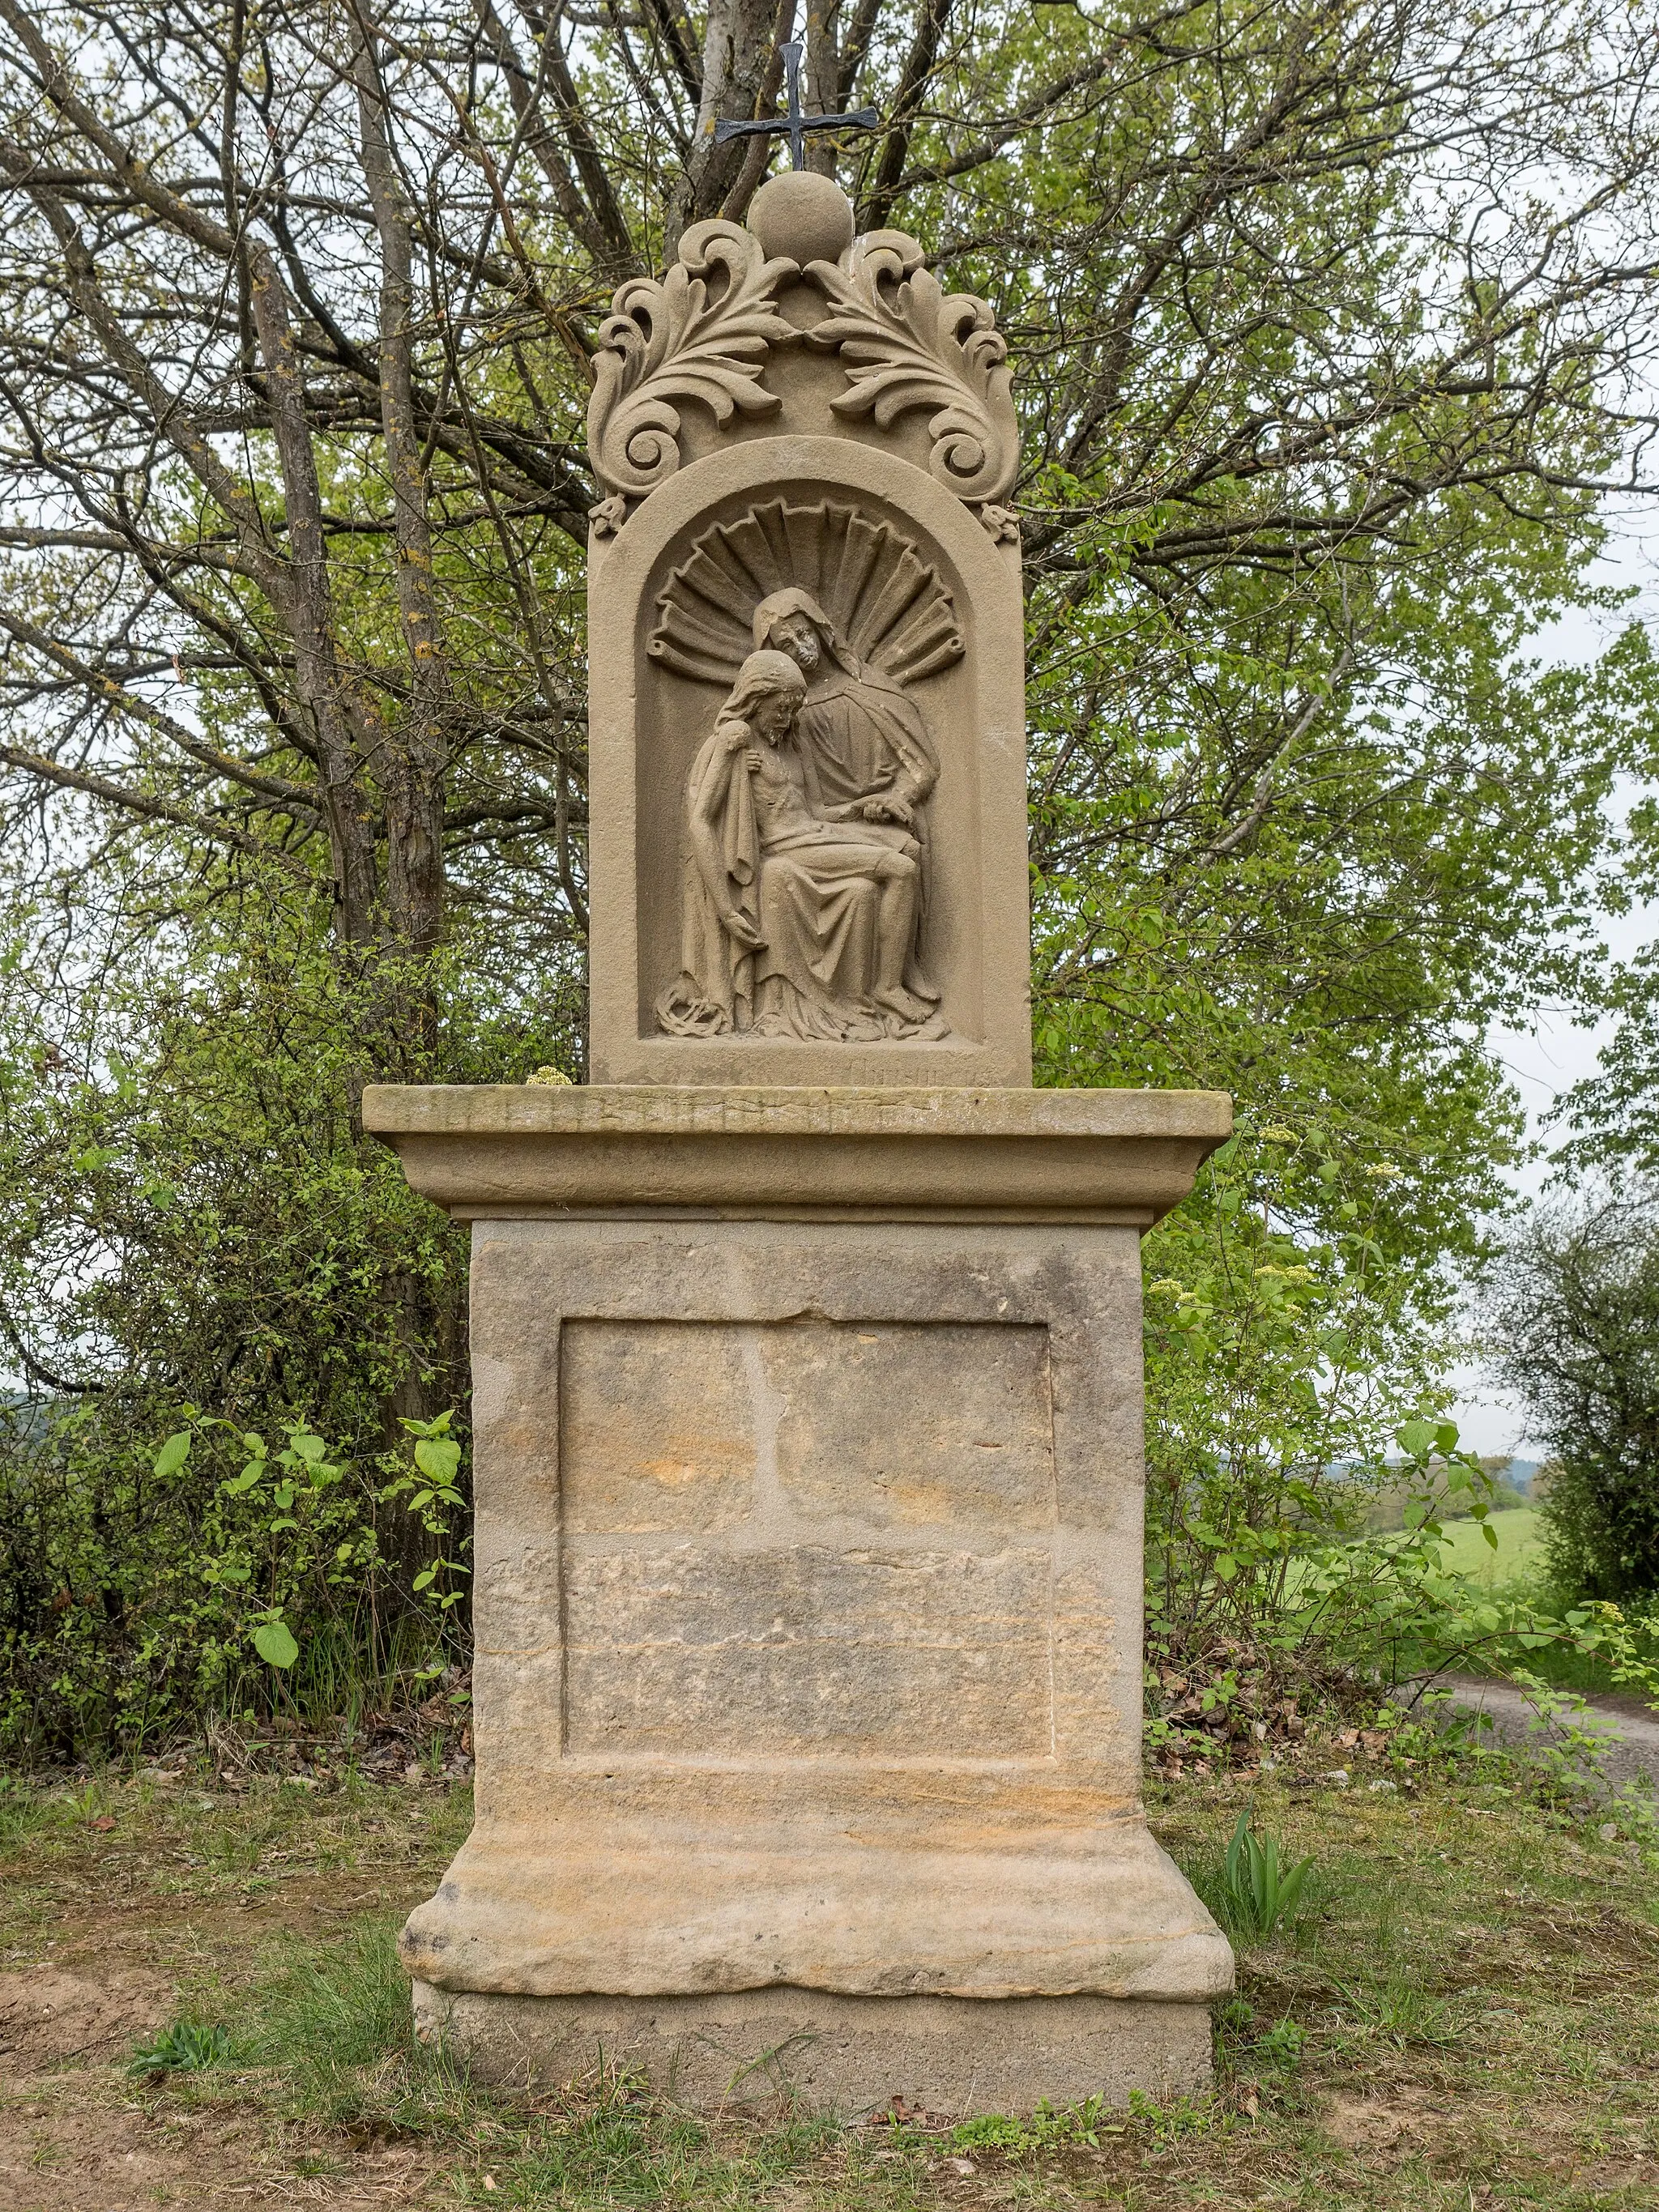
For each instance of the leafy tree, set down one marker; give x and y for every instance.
(1577, 1338)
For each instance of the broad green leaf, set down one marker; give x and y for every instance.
(437, 1458)
(173, 1453)
(275, 1644)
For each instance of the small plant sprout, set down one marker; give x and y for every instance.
(431, 1494)
(1046, 2129)
(185, 2047)
(1259, 1892)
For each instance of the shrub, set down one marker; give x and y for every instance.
(141, 1591)
(1576, 1337)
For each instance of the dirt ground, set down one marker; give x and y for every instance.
(1466, 2015)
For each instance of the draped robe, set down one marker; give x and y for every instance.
(810, 887)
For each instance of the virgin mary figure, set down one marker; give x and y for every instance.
(793, 925)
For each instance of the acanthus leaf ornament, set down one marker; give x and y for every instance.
(906, 343)
(668, 340)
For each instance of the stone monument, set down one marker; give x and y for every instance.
(806, 1337)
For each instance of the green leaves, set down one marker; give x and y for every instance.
(184, 2047)
(274, 1642)
(173, 1453)
(1258, 1894)
(438, 1460)
(1419, 1438)
(279, 1538)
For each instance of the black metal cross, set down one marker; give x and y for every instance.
(794, 125)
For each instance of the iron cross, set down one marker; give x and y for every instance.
(794, 125)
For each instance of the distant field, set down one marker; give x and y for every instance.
(1520, 1545)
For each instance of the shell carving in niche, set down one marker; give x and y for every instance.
(889, 603)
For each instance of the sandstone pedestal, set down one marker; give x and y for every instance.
(808, 1593)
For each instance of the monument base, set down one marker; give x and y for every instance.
(851, 2055)
(808, 1591)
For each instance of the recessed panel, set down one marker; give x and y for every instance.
(806, 1538)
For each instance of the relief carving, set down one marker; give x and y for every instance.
(887, 602)
(703, 332)
(806, 863)
(906, 343)
(671, 341)
(800, 909)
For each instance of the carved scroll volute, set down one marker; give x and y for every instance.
(906, 343)
(670, 342)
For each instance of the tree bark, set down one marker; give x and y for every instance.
(416, 759)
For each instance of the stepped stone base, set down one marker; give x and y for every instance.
(850, 2056)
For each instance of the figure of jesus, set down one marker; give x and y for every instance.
(797, 921)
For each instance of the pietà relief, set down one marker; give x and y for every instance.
(804, 864)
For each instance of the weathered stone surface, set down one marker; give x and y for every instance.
(808, 1650)
(806, 443)
(806, 217)
(836, 1680)
(850, 2056)
(806, 1341)
(656, 1429)
(965, 1437)
(649, 718)
(776, 1634)
(813, 1153)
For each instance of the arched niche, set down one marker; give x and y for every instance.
(923, 592)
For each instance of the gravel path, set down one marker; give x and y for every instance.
(1631, 1727)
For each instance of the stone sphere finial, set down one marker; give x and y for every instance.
(804, 215)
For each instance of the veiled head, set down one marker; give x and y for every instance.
(793, 622)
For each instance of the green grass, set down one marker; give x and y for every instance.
(1463, 2012)
(1520, 1546)
(322, 2019)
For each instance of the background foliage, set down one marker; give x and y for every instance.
(1576, 1312)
